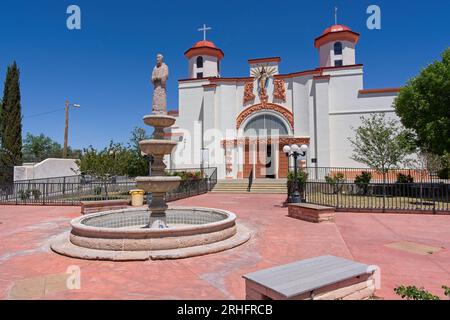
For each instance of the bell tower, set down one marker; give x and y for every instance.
(204, 58)
(337, 46)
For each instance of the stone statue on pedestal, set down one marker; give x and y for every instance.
(160, 75)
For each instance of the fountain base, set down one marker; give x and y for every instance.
(120, 235)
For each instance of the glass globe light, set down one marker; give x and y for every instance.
(286, 149)
(304, 148)
(295, 148)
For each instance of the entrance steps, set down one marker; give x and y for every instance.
(272, 186)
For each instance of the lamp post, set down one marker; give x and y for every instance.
(295, 151)
(66, 128)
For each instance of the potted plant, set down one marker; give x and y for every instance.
(302, 177)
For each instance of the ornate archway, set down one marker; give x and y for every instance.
(247, 112)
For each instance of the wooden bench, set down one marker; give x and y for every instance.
(311, 212)
(88, 207)
(321, 278)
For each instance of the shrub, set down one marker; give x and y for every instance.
(24, 194)
(36, 194)
(302, 176)
(363, 180)
(446, 291)
(186, 175)
(98, 190)
(403, 178)
(414, 293)
(444, 173)
(336, 181)
(364, 177)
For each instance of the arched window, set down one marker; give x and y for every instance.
(265, 124)
(199, 62)
(338, 48)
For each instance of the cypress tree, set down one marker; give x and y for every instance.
(11, 123)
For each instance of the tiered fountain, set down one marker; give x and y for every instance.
(154, 232)
(158, 184)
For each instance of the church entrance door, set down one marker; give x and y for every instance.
(262, 159)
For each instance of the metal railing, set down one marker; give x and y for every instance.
(83, 188)
(432, 197)
(319, 174)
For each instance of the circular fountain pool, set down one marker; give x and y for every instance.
(122, 234)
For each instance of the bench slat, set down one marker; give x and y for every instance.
(302, 276)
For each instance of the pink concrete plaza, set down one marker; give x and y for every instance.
(27, 263)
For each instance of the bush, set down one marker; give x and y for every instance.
(446, 291)
(36, 194)
(444, 173)
(24, 194)
(363, 180)
(186, 175)
(98, 190)
(403, 178)
(414, 293)
(336, 181)
(302, 177)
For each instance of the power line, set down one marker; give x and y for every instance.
(44, 113)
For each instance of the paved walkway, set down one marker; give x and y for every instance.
(28, 269)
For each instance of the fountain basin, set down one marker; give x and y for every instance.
(159, 120)
(120, 234)
(157, 147)
(158, 184)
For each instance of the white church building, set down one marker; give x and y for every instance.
(240, 125)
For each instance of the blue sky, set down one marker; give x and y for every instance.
(106, 66)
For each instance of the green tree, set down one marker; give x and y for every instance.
(116, 159)
(423, 105)
(104, 164)
(11, 123)
(138, 163)
(38, 148)
(381, 143)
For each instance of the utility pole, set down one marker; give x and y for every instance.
(66, 128)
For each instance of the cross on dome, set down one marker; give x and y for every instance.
(335, 15)
(204, 29)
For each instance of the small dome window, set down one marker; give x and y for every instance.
(199, 62)
(338, 48)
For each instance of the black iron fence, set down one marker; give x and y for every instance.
(81, 188)
(432, 197)
(349, 174)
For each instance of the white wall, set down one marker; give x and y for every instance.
(327, 56)
(210, 67)
(301, 90)
(188, 151)
(321, 136)
(340, 130)
(49, 168)
(346, 114)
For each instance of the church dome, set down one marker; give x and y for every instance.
(204, 43)
(336, 28)
(335, 33)
(204, 47)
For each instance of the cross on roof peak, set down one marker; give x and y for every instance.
(335, 15)
(204, 29)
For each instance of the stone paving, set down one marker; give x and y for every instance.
(409, 248)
